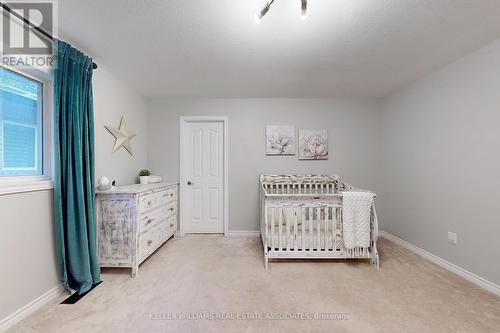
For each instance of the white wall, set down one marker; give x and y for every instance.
(353, 137)
(27, 250)
(112, 100)
(441, 162)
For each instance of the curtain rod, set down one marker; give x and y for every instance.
(32, 26)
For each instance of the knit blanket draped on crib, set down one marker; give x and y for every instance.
(356, 214)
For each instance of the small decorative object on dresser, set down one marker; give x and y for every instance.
(154, 179)
(104, 184)
(134, 221)
(144, 176)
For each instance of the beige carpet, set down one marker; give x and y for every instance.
(213, 275)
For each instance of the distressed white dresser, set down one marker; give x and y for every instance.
(134, 221)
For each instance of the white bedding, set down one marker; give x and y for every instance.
(327, 238)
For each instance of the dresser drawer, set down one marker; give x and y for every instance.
(147, 202)
(155, 236)
(167, 196)
(149, 219)
(152, 217)
(172, 209)
(154, 200)
(171, 225)
(150, 241)
(165, 231)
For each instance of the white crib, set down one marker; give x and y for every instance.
(301, 218)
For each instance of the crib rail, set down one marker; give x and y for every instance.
(299, 184)
(303, 227)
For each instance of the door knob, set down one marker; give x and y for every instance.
(189, 183)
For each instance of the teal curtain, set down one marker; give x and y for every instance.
(74, 194)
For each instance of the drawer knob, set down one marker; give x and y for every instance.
(149, 202)
(150, 242)
(171, 194)
(149, 221)
(172, 209)
(171, 225)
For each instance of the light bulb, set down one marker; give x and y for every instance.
(303, 7)
(260, 14)
(257, 18)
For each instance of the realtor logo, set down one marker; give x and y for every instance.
(21, 44)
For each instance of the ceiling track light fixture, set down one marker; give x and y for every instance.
(260, 14)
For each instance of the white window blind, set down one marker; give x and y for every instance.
(21, 125)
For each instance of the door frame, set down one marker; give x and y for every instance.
(183, 121)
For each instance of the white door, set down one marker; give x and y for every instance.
(203, 177)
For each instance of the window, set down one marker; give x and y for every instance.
(24, 129)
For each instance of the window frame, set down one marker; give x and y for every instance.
(19, 184)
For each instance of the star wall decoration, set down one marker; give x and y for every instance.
(122, 136)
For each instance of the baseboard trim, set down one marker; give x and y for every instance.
(29, 308)
(243, 233)
(481, 282)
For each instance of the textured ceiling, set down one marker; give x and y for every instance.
(355, 48)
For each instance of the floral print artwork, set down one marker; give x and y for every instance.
(313, 144)
(280, 140)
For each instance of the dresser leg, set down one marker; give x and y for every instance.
(135, 270)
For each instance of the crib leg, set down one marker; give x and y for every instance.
(375, 257)
(266, 262)
(375, 260)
